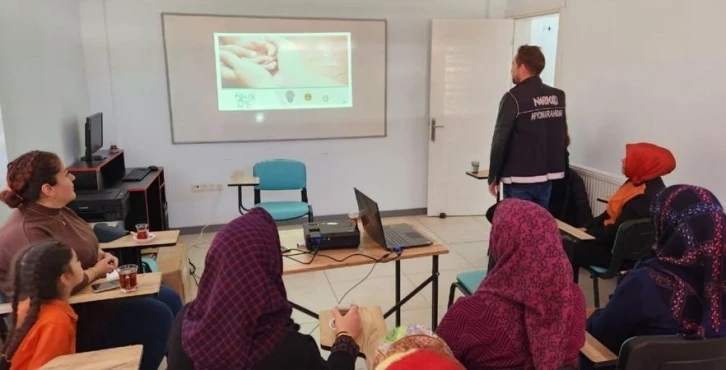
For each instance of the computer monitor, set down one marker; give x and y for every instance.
(94, 135)
(370, 217)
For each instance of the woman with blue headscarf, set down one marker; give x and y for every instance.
(681, 290)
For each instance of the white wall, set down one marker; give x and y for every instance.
(42, 79)
(543, 32)
(524, 8)
(125, 36)
(639, 70)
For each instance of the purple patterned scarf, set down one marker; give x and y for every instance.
(241, 311)
(689, 263)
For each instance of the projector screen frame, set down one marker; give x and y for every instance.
(385, 75)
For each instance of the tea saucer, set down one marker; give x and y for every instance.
(144, 241)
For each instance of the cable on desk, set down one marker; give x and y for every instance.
(398, 252)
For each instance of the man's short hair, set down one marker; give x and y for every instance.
(531, 57)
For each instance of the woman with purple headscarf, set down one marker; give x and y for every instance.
(681, 289)
(241, 317)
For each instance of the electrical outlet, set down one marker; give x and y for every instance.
(206, 187)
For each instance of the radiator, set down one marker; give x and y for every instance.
(599, 184)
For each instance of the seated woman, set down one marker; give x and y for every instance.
(670, 293)
(644, 165)
(414, 347)
(527, 313)
(39, 188)
(241, 316)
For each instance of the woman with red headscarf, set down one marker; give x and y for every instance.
(527, 313)
(644, 165)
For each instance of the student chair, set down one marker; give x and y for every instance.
(672, 352)
(467, 283)
(632, 242)
(283, 174)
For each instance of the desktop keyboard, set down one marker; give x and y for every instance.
(137, 174)
(393, 239)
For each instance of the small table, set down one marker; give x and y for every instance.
(122, 358)
(480, 175)
(369, 247)
(148, 284)
(239, 184)
(128, 250)
(573, 231)
(373, 330)
(595, 351)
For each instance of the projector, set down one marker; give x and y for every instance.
(331, 235)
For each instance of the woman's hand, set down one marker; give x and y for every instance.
(102, 255)
(106, 264)
(350, 323)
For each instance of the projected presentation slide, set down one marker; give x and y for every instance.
(273, 71)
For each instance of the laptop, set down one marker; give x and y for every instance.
(390, 236)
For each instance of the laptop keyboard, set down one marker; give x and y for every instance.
(393, 239)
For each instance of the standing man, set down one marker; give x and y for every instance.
(528, 147)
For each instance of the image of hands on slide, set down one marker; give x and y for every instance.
(283, 71)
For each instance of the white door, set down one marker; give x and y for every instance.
(470, 72)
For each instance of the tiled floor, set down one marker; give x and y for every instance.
(467, 239)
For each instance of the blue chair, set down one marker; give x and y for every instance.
(283, 174)
(149, 264)
(467, 282)
(632, 242)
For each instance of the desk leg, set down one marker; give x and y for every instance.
(239, 200)
(303, 310)
(398, 292)
(435, 292)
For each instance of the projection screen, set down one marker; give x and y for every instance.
(234, 78)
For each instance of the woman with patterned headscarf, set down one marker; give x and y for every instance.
(681, 289)
(414, 347)
(241, 317)
(527, 313)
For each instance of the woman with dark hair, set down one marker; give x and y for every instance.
(680, 290)
(39, 189)
(44, 324)
(241, 317)
(644, 165)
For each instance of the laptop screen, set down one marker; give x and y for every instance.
(370, 218)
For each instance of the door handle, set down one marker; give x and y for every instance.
(434, 126)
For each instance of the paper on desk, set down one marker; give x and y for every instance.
(112, 276)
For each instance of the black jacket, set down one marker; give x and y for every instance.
(569, 201)
(638, 207)
(528, 145)
(295, 351)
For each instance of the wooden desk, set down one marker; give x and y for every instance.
(149, 285)
(240, 183)
(373, 330)
(128, 250)
(245, 181)
(481, 175)
(573, 231)
(122, 358)
(162, 239)
(297, 263)
(597, 352)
